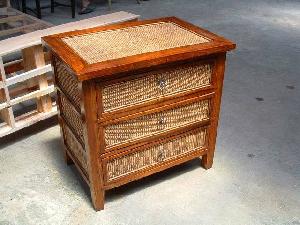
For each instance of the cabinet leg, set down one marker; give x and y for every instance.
(207, 161)
(98, 199)
(67, 158)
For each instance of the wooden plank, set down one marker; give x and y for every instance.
(17, 65)
(33, 57)
(29, 74)
(11, 18)
(34, 38)
(31, 95)
(22, 88)
(24, 29)
(6, 114)
(3, 105)
(27, 120)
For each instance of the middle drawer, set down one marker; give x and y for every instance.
(155, 123)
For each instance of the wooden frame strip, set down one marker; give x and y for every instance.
(11, 18)
(6, 114)
(29, 74)
(31, 95)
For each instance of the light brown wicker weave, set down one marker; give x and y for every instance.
(159, 153)
(66, 82)
(156, 84)
(113, 44)
(156, 123)
(71, 117)
(75, 147)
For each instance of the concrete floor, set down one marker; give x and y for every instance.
(255, 178)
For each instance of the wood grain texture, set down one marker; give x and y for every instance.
(84, 71)
(89, 110)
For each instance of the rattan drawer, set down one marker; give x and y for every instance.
(66, 82)
(162, 152)
(155, 123)
(74, 147)
(156, 84)
(71, 117)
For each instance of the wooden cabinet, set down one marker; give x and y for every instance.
(137, 98)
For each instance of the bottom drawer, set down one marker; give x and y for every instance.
(162, 152)
(74, 146)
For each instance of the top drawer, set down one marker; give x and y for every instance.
(157, 84)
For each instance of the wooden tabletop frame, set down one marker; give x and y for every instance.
(85, 71)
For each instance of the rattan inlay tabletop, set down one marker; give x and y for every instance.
(114, 44)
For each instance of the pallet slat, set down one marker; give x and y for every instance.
(4, 105)
(27, 120)
(29, 74)
(11, 18)
(31, 95)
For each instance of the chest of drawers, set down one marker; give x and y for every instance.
(137, 98)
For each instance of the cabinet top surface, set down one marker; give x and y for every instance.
(106, 50)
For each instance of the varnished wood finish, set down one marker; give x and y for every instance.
(92, 79)
(207, 160)
(85, 71)
(89, 109)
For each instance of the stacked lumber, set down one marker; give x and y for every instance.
(26, 82)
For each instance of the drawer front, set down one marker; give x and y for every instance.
(71, 116)
(74, 146)
(151, 124)
(67, 83)
(156, 84)
(157, 154)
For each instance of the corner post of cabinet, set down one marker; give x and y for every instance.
(217, 81)
(67, 158)
(92, 142)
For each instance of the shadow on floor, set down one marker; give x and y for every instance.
(118, 192)
(28, 131)
(154, 179)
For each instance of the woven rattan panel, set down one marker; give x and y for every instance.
(157, 122)
(156, 84)
(67, 83)
(71, 117)
(114, 44)
(154, 155)
(74, 146)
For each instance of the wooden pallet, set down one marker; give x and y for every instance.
(26, 85)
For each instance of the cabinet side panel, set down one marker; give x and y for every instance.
(70, 119)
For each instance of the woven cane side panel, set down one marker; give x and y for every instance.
(114, 44)
(155, 155)
(156, 84)
(72, 117)
(67, 83)
(157, 122)
(75, 146)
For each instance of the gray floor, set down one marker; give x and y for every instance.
(255, 178)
